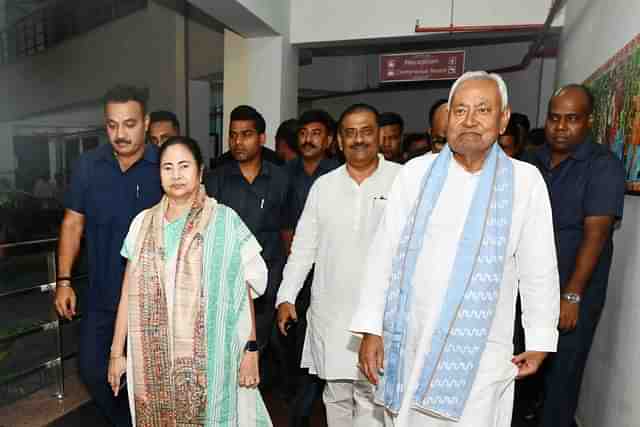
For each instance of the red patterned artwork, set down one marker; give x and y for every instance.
(616, 88)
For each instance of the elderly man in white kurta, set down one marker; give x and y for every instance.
(340, 217)
(463, 231)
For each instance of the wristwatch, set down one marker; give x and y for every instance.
(251, 346)
(571, 297)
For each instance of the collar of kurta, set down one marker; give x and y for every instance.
(382, 164)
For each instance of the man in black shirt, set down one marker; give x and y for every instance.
(391, 130)
(257, 191)
(586, 185)
(316, 130)
(287, 140)
(267, 154)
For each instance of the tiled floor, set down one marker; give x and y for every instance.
(88, 415)
(41, 409)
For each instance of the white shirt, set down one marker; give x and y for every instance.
(334, 232)
(530, 267)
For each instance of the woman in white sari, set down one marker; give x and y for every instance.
(186, 310)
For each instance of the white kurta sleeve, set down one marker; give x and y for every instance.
(304, 250)
(255, 269)
(369, 313)
(538, 273)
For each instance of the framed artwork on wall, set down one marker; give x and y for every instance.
(616, 122)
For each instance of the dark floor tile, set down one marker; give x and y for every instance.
(86, 415)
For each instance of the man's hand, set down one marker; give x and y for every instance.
(528, 362)
(65, 302)
(569, 314)
(371, 357)
(286, 312)
(117, 368)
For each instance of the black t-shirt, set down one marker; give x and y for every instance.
(261, 204)
(590, 182)
(300, 185)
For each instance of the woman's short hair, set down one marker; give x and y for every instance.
(189, 143)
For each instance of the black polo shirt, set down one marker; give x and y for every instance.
(590, 182)
(267, 154)
(109, 199)
(260, 204)
(300, 185)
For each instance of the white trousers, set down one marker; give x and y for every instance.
(350, 404)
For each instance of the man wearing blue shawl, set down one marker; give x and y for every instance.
(464, 231)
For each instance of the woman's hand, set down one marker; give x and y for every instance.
(249, 373)
(117, 368)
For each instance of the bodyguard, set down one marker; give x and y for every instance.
(586, 184)
(109, 187)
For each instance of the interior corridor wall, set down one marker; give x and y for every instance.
(137, 49)
(594, 31)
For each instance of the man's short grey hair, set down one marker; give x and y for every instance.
(482, 75)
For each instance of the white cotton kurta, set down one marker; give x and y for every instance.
(530, 261)
(255, 274)
(335, 230)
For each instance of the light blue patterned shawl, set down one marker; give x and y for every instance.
(460, 336)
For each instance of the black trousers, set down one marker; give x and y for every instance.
(265, 305)
(96, 335)
(265, 322)
(308, 388)
(564, 369)
(529, 390)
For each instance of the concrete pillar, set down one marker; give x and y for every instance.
(199, 106)
(167, 77)
(261, 72)
(235, 88)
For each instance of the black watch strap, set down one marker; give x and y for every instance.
(251, 346)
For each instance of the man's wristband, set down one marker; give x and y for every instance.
(251, 346)
(571, 298)
(63, 281)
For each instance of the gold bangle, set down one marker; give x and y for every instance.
(64, 284)
(112, 357)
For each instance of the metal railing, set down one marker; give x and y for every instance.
(26, 332)
(60, 21)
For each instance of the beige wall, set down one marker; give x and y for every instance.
(206, 51)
